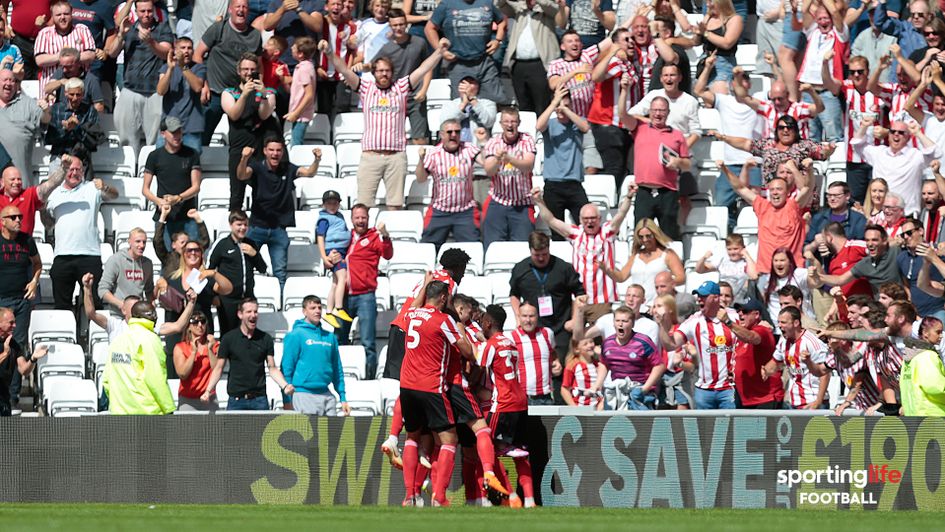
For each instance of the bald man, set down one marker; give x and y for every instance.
(29, 200)
(593, 245)
(20, 266)
(779, 104)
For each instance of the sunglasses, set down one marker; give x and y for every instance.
(451, 132)
(192, 251)
(857, 71)
(14, 217)
(898, 132)
(919, 15)
(783, 127)
(908, 233)
(927, 33)
(199, 321)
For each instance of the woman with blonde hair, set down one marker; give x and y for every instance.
(650, 256)
(718, 34)
(583, 375)
(194, 358)
(875, 198)
(178, 283)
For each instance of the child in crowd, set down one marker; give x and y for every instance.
(373, 33)
(275, 73)
(333, 239)
(733, 268)
(579, 386)
(302, 95)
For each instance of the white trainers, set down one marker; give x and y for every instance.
(515, 452)
(389, 447)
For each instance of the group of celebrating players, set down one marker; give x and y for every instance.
(459, 385)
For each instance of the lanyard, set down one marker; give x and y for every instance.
(541, 279)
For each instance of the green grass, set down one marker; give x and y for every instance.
(181, 518)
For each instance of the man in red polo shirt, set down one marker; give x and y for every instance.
(31, 199)
(367, 247)
(660, 154)
(753, 349)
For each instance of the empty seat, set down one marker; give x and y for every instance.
(349, 158)
(353, 361)
(364, 397)
(563, 250)
(382, 294)
(114, 163)
(296, 288)
(348, 127)
(418, 194)
(402, 286)
(707, 221)
(63, 358)
(302, 156)
(268, 293)
(402, 225)
(303, 258)
(479, 288)
(411, 257)
(52, 326)
(500, 287)
(214, 163)
(130, 220)
(390, 391)
(273, 323)
(601, 189)
(70, 396)
(304, 229)
(502, 256)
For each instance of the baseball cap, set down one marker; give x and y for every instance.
(171, 124)
(749, 305)
(707, 288)
(331, 195)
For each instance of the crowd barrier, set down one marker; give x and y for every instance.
(684, 460)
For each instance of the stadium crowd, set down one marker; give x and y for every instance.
(753, 205)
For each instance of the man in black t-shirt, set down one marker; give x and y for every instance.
(249, 351)
(177, 168)
(20, 266)
(13, 359)
(273, 183)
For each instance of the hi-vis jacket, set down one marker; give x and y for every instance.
(135, 375)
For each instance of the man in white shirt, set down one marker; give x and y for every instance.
(737, 119)
(899, 164)
(825, 31)
(683, 107)
(634, 298)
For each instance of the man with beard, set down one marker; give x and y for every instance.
(510, 158)
(803, 355)
(249, 351)
(179, 85)
(930, 218)
(878, 267)
(384, 144)
(62, 33)
(368, 246)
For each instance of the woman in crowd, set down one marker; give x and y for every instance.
(170, 258)
(875, 198)
(178, 283)
(786, 145)
(784, 272)
(718, 34)
(194, 358)
(651, 256)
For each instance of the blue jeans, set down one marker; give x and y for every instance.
(715, 399)
(172, 228)
(191, 140)
(256, 403)
(641, 401)
(828, 125)
(364, 306)
(278, 241)
(724, 196)
(724, 68)
(298, 133)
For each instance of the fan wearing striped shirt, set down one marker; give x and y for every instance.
(803, 355)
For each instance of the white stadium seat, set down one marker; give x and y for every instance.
(268, 293)
(52, 325)
(214, 163)
(402, 285)
(303, 258)
(473, 249)
(707, 220)
(348, 127)
(114, 163)
(69, 396)
(501, 256)
(296, 288)
(304, 229)
(364, 397)
(303, 157)
(402, 225)
(63, 359)
(478, 288)
(353, 361)
(410, 257)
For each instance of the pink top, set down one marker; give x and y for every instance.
(304, 75)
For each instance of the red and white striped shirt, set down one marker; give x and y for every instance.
(803, 386)
(715, 345)
(579, 378)
(534, 363)
(585, 249)
(604, 106)
(500, 357)
(648, 57)
(858, 105)
(800, 111)
(895, 95)
(860, 371)
(511, 186)
(452, 175)
(887, 363)
(385, 113)
(581, 86)
(337, 36)
(50, 41)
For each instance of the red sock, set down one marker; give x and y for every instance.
(444, 472)
(411, 457)
(433, 461)
(524, 469)
(485, 449)
(469, 473)
(503, 476)
(480, 493)
(397, 421)
(420, 476)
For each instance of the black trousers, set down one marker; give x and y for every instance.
(613, 145)
(565, 195)
(661, 204)
(66, 271)
(529, 81)
(227, 314)
(858, 177)
(237, 187)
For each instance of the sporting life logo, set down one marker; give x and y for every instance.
(838, 478)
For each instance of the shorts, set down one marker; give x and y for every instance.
(341, 265)
(465, 435)
(673, 391)
(793, 39)
(509, 427)
(465, 405)
(426, 410)
(591, 155)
